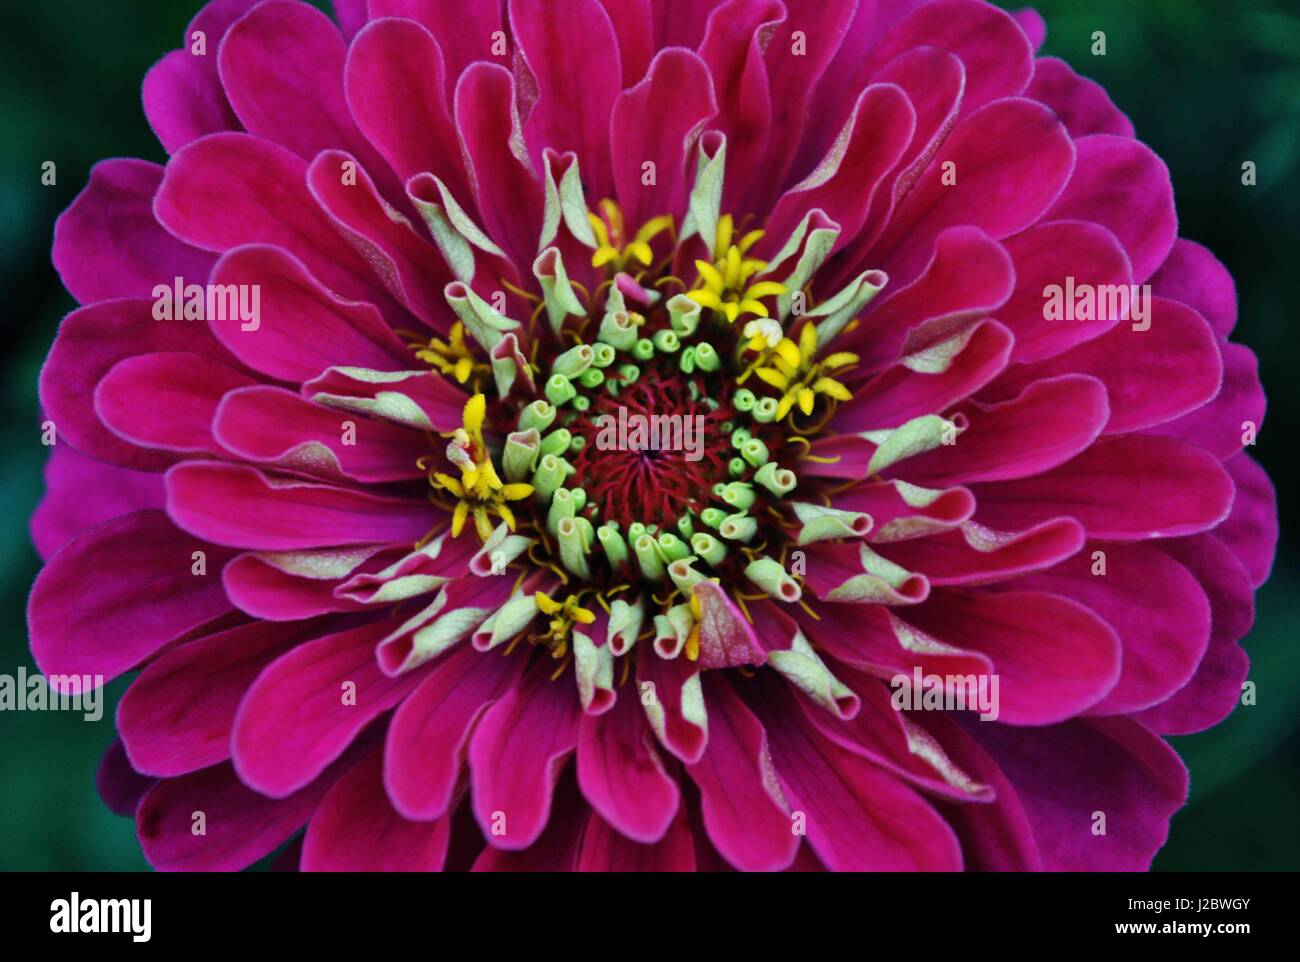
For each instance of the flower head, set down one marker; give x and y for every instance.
(659, 433)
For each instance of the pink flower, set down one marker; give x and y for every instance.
(385, 576)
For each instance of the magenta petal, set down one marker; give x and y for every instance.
(996, 836)
(508, 193)
(90, 342)
(427, 739)
(744, 812)
(516, 755)
(968, 276)
(974, 555)
(108, 244)
(1082, 104)
(304, 328)
(1065, 775)
(605, 849)
(655, 122)
(177, 716)
(355, 829)
(1042, 427)
(1048, 255)
(261, 590)
(556, 849)
(240, 825)
(675, 685)
(226, 190)
(120, 786)
(409, 266)
(81, 492)
(1227, 423)
(1054, 657)
(1251, 529)
(1014, 157)
(899, 394)
(997, 55)
(189, 387)
(572, 53)
(85, 618)
(1215, 689)
(845, 182)
(622, 775)
(397, 92)
(465, 31)
(1155, 606)
(239, 506)
(278, 428)
(184, 101)
(308, 705)
(858, 817)
(1126, 488)
(1196, 277)
(1121, 184)
(282, 68)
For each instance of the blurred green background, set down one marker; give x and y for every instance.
(1208, 83)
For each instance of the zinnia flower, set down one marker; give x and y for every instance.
(384, 578)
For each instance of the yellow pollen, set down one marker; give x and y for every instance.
(479, 492)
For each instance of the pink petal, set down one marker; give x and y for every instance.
(465, 32)
(1251, 529)
(81, 492)
(1125, 488)
(572, 53)
(354, 829)
(241, 507)
(1053, 656)
(1215, 689)
(604, 849)
(516, 755)
(744, 812)
(427, 740)
(685, 731)
(1221, 425)
(188, 387)
(278, 428)
(178, 714)
(303, 328)
(308, 705)
(1121, 184)
(656, 122)
(84, 617)
(1082, 104)
(1196, 277)
(1065, 775)
(108, 244)
(622, 775)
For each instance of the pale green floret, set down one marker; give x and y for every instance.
(744, 400)
(647, 555)
(683, 314)
(706, 358)
(557, 442)
(644, 349)
(519, 457)
(738, 527)
(575, 545)
(593, 377)
(739, 495)
(825, 524)
(755, 452)
(667, 342)
(562, 507)
(671, 547)
(618, 329)
(779, 481)
(713, 551)
(537, 416)
(713, 517)
(773, 580)
(737, 467)
(574, 361)
(550, 476)
(683, 575)
(602, 354)
(764, 411)
(560, 390)
(612, 542)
